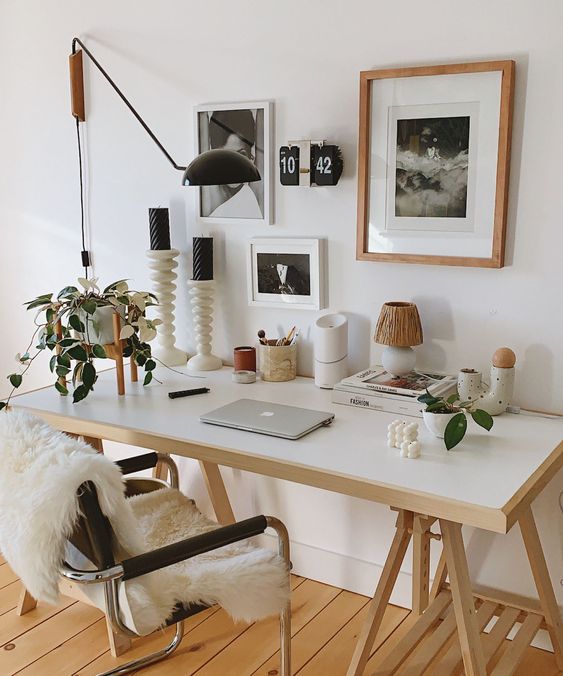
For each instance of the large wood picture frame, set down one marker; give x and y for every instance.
(488, 98)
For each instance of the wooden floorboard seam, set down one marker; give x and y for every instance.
(45, 619)
(18, 583)
(56, 647)
(536, 661)
(238, 636)
(340, 628)
(294, 636)
(212, 657)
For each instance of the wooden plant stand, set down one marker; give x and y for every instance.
(113, 351)
(439, 612)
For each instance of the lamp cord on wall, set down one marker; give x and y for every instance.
(84, 253)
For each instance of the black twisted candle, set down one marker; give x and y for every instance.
(159, 228)
(203, 258)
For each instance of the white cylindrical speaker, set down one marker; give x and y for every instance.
(331, 350)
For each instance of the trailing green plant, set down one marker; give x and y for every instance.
(457, 426)
(65, 324)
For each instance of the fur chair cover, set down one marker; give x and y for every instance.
(41, 472)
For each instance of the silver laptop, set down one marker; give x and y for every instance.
(263, 417)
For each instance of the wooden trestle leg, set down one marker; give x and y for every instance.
(421, 562)
(543, 583)
(383, 591)
(217, 492)
(462, 596)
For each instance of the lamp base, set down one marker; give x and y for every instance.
(204, 362)
(398, 361)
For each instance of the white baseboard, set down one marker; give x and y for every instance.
(358, 576)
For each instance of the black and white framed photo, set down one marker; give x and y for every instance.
(245, 128)
(434, 158)
(286, 272)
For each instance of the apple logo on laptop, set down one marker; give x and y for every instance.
(267, 414)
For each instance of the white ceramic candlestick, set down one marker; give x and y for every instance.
(202, 309)
(162, 265)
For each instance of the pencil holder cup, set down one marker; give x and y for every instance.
(278, 362)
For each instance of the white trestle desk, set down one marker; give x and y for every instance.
(488, 481)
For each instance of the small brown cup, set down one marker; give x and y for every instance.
(244, 358)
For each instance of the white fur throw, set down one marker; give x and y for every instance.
(41, 472)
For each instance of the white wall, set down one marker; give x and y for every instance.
(305, 56)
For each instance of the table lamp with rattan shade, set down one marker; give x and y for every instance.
(399, 328)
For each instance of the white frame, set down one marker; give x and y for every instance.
(267, 173)
(315, 248)
(451, 93)
(405, 224)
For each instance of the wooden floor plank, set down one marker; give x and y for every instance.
(316, 633)
(38, 641)
(12, 625)
(7, 576)
(200, 646)
(387, 647)
(335, 656)
(539, 662)
(141, 647)
(67, 658)
(9, 597)
(260, 642)
(70, 638)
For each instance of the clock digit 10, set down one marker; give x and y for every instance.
(289, 165)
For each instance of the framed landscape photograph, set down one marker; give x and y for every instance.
(246, 129)
(434, 154)
(286, 272)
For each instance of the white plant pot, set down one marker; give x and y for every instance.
(437, 422)
(100, 324)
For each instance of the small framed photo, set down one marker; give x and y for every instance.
(286, 272)
(245, 128)
(434, 158)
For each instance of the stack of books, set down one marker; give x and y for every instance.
(378, 390)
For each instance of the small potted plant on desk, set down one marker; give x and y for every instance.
(447, 418)
(80, 325)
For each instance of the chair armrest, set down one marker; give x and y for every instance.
(138, 462)
(186, 549)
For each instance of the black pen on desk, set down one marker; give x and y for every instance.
(188, 393)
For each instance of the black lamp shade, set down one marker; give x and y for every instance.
(220, 167)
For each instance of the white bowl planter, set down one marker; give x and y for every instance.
(437, 422)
